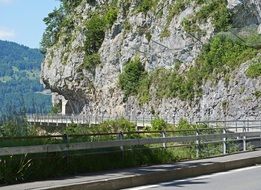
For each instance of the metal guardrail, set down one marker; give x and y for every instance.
(139, 120)
(234, 125)
(195, 137)
(83, 119)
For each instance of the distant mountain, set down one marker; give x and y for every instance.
(20, 80)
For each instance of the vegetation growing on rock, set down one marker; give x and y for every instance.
(96, 27)
(254, 70)
(219, 58)
(216, 10)
(108, 33)
(146, 5)
(131, 76)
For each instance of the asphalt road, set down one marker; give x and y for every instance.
(240, 179)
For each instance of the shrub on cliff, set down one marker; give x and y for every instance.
(254, 70)
(131, 76)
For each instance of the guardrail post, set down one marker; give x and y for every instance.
(163, 134)
(40, 120)
(244, 139)
(56, 121)
(197, 144)
(224, 142)
(248, 126)
(65, 138)
(48, 120)
(120, 137)
(143, 119)
(260, 133)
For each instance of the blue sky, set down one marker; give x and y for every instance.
(21, 21)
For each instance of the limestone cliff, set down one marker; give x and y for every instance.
(165, 36)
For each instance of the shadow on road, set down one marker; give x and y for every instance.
(182, 183)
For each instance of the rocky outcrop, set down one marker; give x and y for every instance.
(245, 12)
(98, 91)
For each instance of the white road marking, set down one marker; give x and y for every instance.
(195, 178)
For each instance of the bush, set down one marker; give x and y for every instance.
(14, 128)
(90, 61)
(94, 34)
(222, 53)
(111, 16)
(146, 5)
(254, 70)
(214, 9)
(51, 34)
(96, 27)
(144, 89)
(129, 79)
(69, 5)
(159, 124)
(221, 56)
(13, 169)
(257, 94)
(110, 126)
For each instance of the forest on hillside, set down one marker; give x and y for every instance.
(20, 88)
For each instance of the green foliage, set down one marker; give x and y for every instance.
(13, 169)
(159, 124)
(116, 126)
(127, 26)
(190, 26)
(177, 7)
(94, 34)
(257, 94)
(146, 5)
(148, 36)
(11, 128)
(165, 33)
(130, 78)
(221, 56)
(96, 27)
(90, 61)
(214, 9)
(42, 166)
(17, 169)
(69, 5)
(111, 16)
(185, 127)
(253, 40)
(57, 108)
(144, 89)
(110, 126)
(57, 20)
(254, 70)
(221, 17)
(53, 22)
(15, 127)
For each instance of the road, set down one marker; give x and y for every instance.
(240, 179)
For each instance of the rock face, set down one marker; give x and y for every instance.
(99, 93)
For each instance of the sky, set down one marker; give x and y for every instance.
(21, 21)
